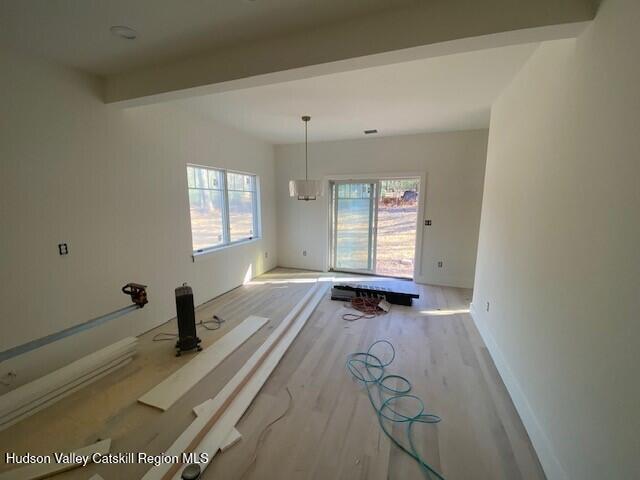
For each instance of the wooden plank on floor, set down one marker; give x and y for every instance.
(32, 390)
(211, 441)
(166, 393)
(44, 470)
(232, 401)
(53, 397)
(50, 388)
(234, 436)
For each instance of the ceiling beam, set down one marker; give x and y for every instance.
(431, 28)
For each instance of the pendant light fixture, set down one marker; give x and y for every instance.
(305, 189)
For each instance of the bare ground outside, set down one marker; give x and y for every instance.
(396, 240)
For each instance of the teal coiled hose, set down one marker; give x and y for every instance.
(369, 369)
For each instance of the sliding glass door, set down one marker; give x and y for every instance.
(374, 226)
(353, 218)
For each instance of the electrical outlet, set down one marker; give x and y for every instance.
(63, 249)
(487, 306)
(304, 253)
(440, 264)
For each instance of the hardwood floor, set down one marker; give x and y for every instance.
(330, 429)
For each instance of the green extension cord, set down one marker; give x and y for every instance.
(370, 370)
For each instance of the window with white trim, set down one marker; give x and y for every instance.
(223, 205)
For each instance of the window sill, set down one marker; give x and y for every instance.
(205, 252)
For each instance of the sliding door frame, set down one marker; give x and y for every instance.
(377, 178)
(373, 224)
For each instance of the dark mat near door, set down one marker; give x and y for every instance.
(397, 294)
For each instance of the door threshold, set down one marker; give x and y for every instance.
(371, 274)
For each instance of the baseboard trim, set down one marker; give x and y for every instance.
(552, 467)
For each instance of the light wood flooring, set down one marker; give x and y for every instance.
(331, 430)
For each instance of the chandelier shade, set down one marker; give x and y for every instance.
(305, 189)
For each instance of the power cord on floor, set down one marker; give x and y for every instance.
(369, 369)
(216, 321)
(369, 308)
(264, 432)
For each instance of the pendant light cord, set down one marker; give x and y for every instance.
(306, 159)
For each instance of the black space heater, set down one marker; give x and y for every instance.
(186, 313)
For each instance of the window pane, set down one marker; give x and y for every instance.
(191, 177)
(201, 177)
(206, 217)
(249, 183)
(214, 222)
(355, 191)
(241, 183)
(241, 215)
(215, 179)
(352, 233)
(235, 181)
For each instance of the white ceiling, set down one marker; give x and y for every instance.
(76, 32)
(438, 94)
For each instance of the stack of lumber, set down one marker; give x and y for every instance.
(32, 397)
(217, 417)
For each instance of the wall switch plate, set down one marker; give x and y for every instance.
(266, 254)
(487, 306)
(63, 249)
(304, 253)
(440, 264)
(427, 223)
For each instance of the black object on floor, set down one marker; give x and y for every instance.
(397, 296)
(192, 472)
(185, 310)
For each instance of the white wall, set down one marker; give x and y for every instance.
(559, 255)
(111, 183)
(454, 165)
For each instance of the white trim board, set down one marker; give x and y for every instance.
(219, 434)
(167, 392)
(44, 394)
(542, 445)
(44, 470)
(230, 440)
(33, 390)
(32, 397)
(53, 397)
(234, 436)
(236, 396)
